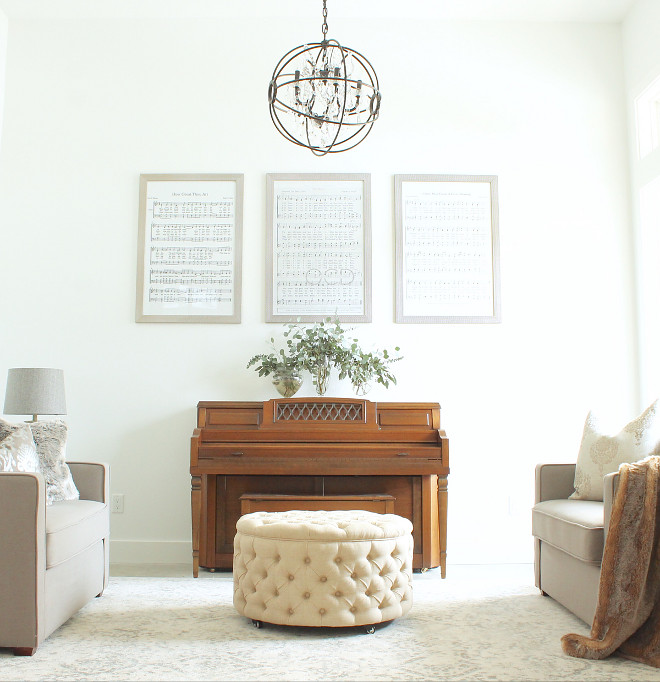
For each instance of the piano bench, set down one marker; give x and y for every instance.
(253, 502)
(323, 568)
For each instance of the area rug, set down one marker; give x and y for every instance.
(475, 625)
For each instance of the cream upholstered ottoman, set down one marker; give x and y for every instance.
(323, 568)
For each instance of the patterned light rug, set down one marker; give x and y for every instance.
(475, 625)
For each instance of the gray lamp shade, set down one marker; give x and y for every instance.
(35, 390)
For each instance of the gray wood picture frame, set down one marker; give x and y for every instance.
(454, 275)
(332, 213)
(198, 237)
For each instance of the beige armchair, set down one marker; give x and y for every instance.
(569, 537)
(53, 559)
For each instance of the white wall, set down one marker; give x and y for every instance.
(641, 49)
(92, 104)
(4, 28)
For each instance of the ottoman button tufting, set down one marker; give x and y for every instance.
(350, 550)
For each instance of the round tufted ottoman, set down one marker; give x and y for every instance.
(323, 568)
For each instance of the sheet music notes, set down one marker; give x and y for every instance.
(318, 248)
(447, 249)
(189, 250)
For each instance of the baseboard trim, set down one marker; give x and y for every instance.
(150, 552)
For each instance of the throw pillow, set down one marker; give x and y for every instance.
(50, 439)
(17, 448)
(602, 454)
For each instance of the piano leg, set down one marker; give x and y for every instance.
(442, 523)
(196, 510)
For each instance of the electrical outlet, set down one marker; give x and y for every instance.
(118, 504)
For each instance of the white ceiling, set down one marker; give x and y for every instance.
(490, 10)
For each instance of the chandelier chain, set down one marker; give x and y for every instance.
(324, 28)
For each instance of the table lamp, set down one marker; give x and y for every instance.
(35, 391)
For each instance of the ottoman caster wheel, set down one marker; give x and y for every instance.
(257, 624)
(370, 629)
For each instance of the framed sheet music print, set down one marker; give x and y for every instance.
(318, 247)
(447, 248)
(189, 248)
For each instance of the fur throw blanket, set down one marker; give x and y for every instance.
(627, 618)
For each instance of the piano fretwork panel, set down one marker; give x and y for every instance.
(319, 411)
(328, 447)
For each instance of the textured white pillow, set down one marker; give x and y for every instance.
(17, 448)
(602, 454)
(50, 439)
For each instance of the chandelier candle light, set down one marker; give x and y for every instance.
(324, 96)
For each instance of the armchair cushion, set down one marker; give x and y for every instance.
(574, 526)
(602, 454)
(17, 449)
(72, 526)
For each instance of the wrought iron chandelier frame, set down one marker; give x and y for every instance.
(316, 54)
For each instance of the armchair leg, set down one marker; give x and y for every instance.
(24, 650)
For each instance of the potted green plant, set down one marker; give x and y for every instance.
(318, 350)
(286, 370)
(365, 368)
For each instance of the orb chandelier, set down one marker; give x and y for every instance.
(324, 96)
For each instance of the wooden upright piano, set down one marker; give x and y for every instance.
(337, 449)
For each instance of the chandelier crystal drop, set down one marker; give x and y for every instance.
(324, 96)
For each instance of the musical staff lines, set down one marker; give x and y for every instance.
(322, 206)
(446, 244)
(217, 256)
(318, 257)
(189, 277)
(190, 247)
(188, 295)
(182, 232)
(167, 210)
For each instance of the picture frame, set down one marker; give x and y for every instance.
(318, 254)
(190, 234)
(447, 249)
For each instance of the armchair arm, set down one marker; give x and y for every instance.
(554, 482)
(92, 480)
(22, 559)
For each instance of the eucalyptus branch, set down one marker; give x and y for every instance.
(323, 347)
